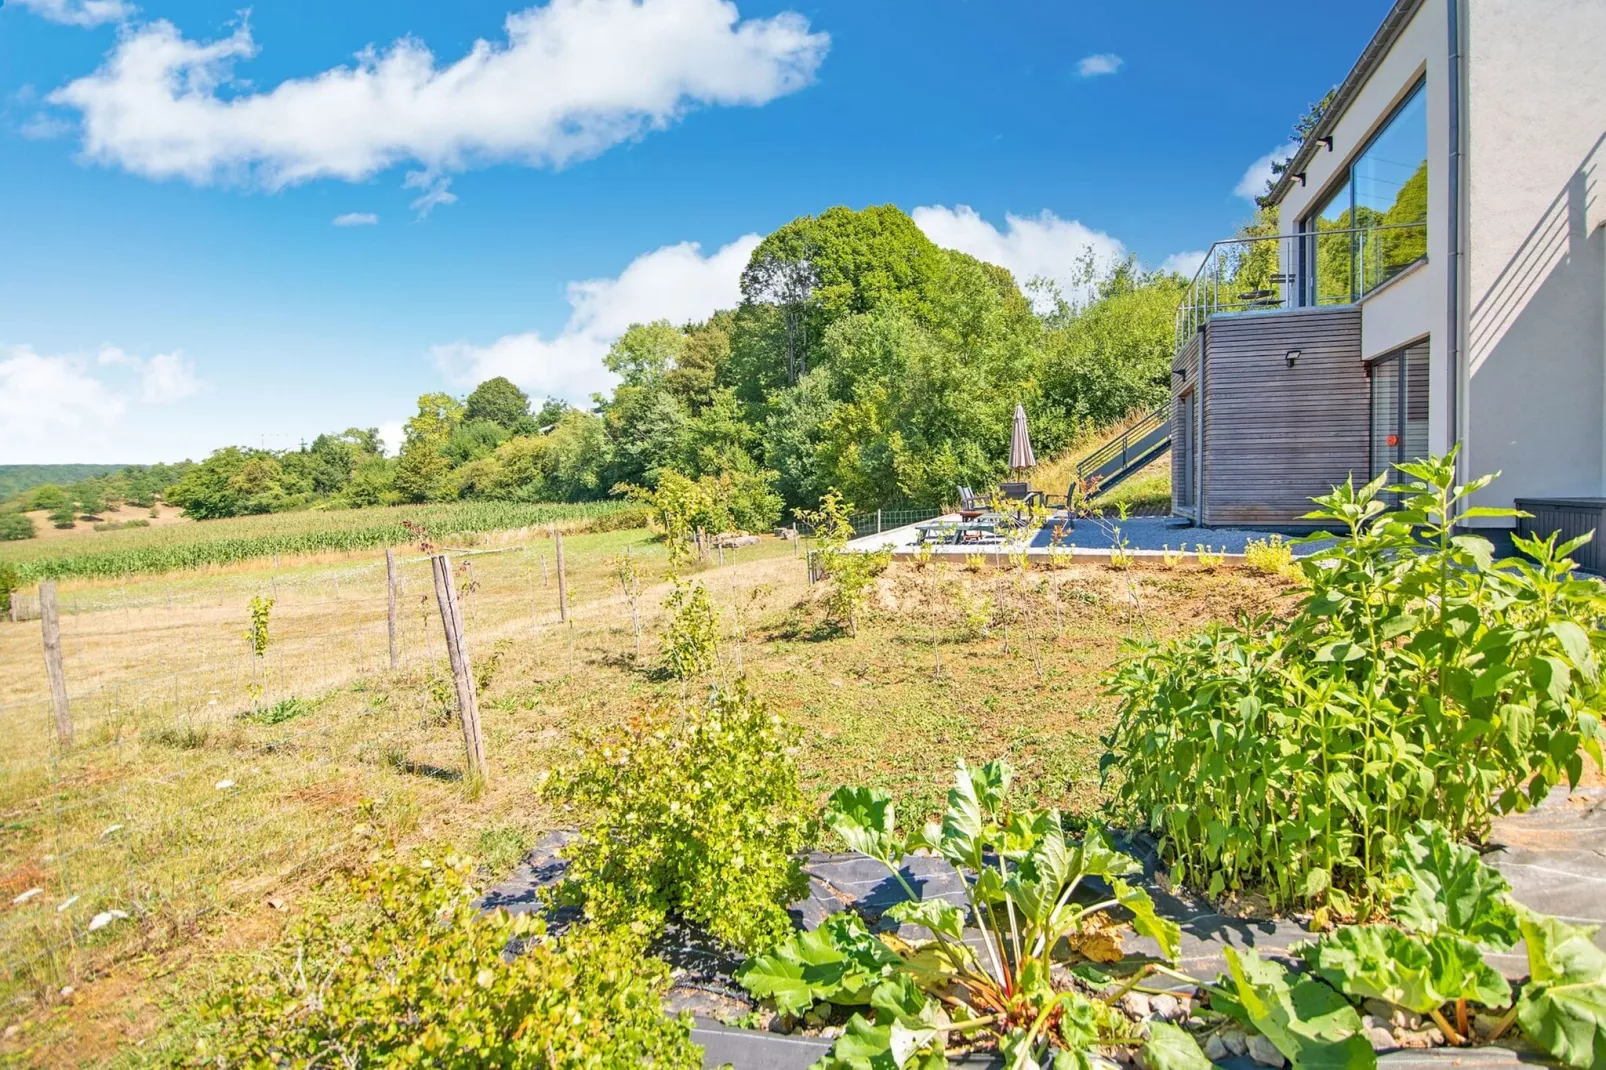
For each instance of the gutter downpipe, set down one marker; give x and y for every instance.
(1453, 265)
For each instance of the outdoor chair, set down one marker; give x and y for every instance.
(1020, 492)
(970, 506)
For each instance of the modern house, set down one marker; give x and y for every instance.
(1439, 276)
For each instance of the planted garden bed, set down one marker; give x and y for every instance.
(1554, 856)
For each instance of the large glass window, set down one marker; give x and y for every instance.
(1374, 225)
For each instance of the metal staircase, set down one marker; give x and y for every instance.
(1129, 452)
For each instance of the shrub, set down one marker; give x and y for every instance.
(1271, 557)
(420, 978)
(14, 526)
(1419, 679)
(852, 575)
(8, 582)
(287, 709)
(691, 640)
(698, 815)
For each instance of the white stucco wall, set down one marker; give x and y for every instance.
(1536, 255)
(1415, 307)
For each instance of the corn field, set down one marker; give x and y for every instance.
(226, 542)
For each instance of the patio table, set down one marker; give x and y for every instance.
(983, 529)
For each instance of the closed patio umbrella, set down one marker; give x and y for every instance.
(1020, 443)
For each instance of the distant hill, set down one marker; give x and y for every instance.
(19, 477)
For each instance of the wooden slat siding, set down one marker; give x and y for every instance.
(1275, 436)
(1187, 361)
(1569, 519)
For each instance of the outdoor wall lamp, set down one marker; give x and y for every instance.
(1301, 176)
(1327, 142)
(1291, 356)
(1180, 373)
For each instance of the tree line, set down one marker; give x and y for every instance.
(861, 357)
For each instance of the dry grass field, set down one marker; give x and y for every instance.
(192, 816)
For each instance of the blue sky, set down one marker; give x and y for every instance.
(173, 278)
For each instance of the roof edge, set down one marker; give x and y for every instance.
(1371, 58)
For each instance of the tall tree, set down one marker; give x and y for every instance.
(500, 402)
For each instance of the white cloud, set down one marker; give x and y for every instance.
(392, 433)
(79, 12)
(168, 377)
(1184, 264)
(63, 406)
(1041, 246)
(42, 398)
(1099, 63)
(572, 78)
(356, 219)
(436, 191)
(44, 127)
(676, 282)
(1253, 184)
(164, 378)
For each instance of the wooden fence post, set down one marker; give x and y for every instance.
(390, 621)
(50, 622)
(563, 581)
(878, 521)
(468, 707)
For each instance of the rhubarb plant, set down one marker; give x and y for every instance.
(1450, 908)
(1021, 873)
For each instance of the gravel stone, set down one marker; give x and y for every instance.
(1215, 1048)
(1137, 1005)
(1410, 1038)
(1166, 1008)
(1382, 1039)
(1237, 1041)
(1265, 1052)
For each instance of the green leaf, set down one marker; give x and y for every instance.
(1170, 1047)
(862, 1046)
(1575, 642)
(1459, 972)
(1382, 962)
(1552, 676)
(1313, 1026)
(964, 823)
(840, 961)
(904, 1041)
(1563, 1006)
(934, 914)
(866, 821)
(1096, 856)
(1448, 887)
(1164, 931)
(779, 978)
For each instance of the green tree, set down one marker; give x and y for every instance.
(1114, 354)
(422, 468)
(90, 500)
(16, 526)
(499, 401)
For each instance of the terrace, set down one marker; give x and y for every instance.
(1055, 540)
(1325, 267)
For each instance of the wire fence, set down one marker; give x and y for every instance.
(200, 774)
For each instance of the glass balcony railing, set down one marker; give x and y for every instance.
(1323, 267)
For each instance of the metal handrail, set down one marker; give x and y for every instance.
(1244, 275)
(1122, 443)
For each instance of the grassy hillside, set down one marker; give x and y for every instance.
(19, 477)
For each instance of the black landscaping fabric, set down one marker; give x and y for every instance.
(1554, 856)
